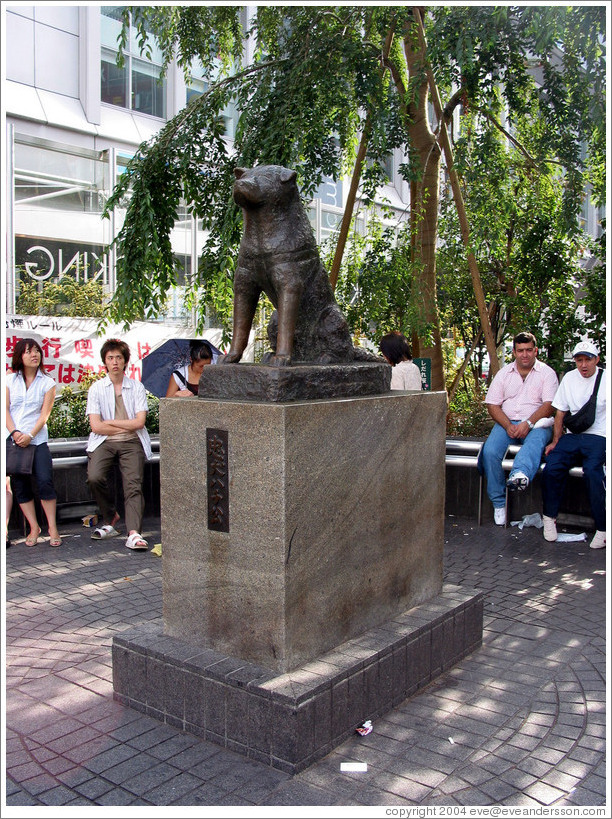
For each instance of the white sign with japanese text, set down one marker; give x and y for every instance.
(71, 346)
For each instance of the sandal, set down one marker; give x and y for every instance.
(136, 542)
(55, 541)
(102, 532)
(32, 539)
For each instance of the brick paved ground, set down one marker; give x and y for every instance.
(520, 722)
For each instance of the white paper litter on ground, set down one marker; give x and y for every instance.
(568, 538)
(529, 520)
(353, 766)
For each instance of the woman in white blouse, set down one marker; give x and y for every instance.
(29, 400)
(405, 374)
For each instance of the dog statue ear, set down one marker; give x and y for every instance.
(287, 175)
(239, 172)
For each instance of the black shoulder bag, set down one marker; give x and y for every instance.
(583, 418)
(19, 459)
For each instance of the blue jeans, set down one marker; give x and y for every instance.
(527, 460)
(590, 450)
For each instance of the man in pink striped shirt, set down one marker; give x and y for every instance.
(519, 400)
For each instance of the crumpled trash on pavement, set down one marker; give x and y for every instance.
(529, 520)
(569, 538)
(157, 550)
(365, 729)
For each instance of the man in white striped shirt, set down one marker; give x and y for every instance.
(519, 400)
(117, 410)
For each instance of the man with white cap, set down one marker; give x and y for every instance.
(586, 444)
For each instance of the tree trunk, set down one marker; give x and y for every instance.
(350, 205)
(424, 207)
(485, 320)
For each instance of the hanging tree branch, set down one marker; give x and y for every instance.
(355, 179)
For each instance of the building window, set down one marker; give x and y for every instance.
(136, 85)
(58, 196)
(197, 85)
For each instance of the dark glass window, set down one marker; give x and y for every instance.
(136, 85)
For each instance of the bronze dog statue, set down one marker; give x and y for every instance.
(279, 257)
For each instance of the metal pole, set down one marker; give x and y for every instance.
(10, 221)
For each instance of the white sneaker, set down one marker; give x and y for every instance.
(499, 515)
(517, 481)
(599, 541)
(550, 528)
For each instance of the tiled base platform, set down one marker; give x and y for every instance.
(290, 720)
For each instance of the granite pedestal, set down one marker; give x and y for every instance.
(334, 515)
(288, 721)
(302, 571)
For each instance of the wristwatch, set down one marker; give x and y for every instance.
(529, 424)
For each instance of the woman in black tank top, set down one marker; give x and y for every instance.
(201, 355)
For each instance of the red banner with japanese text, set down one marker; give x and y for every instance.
(71, 346)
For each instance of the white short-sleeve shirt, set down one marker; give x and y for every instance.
(101, 401)
(575, 390)
(26, 404)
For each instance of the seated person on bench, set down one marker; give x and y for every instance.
(519, 397)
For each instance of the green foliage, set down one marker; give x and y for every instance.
(378, 284)
(68, 418)
(467, 413)
(317, 76)
(482, 49)
(310, 126)
(594, 293)
(531, 265)
(65, 297)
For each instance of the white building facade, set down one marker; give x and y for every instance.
(73, 119)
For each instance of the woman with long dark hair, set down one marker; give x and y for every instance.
(29, 400)
(184, 382)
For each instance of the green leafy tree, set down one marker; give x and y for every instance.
(65, 297)
(319, 77)
(533, 265)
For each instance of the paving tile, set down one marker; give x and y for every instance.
(526, 712)
(93, 788)
(561, 780)
(551, 755)
(169, 792)
(543, 793)
(153, 776)
(517, 778)
(473, 796)
(301, 794)
(498, 789)
(116, 797)
(59, 795)
(585, 755)
(109, 758)
(374, 797)
(209, 794)
(21, 799)
(598, 784)
(403, 787)
(584, 797)
(129, 768)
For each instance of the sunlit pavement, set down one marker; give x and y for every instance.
(520, 722)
